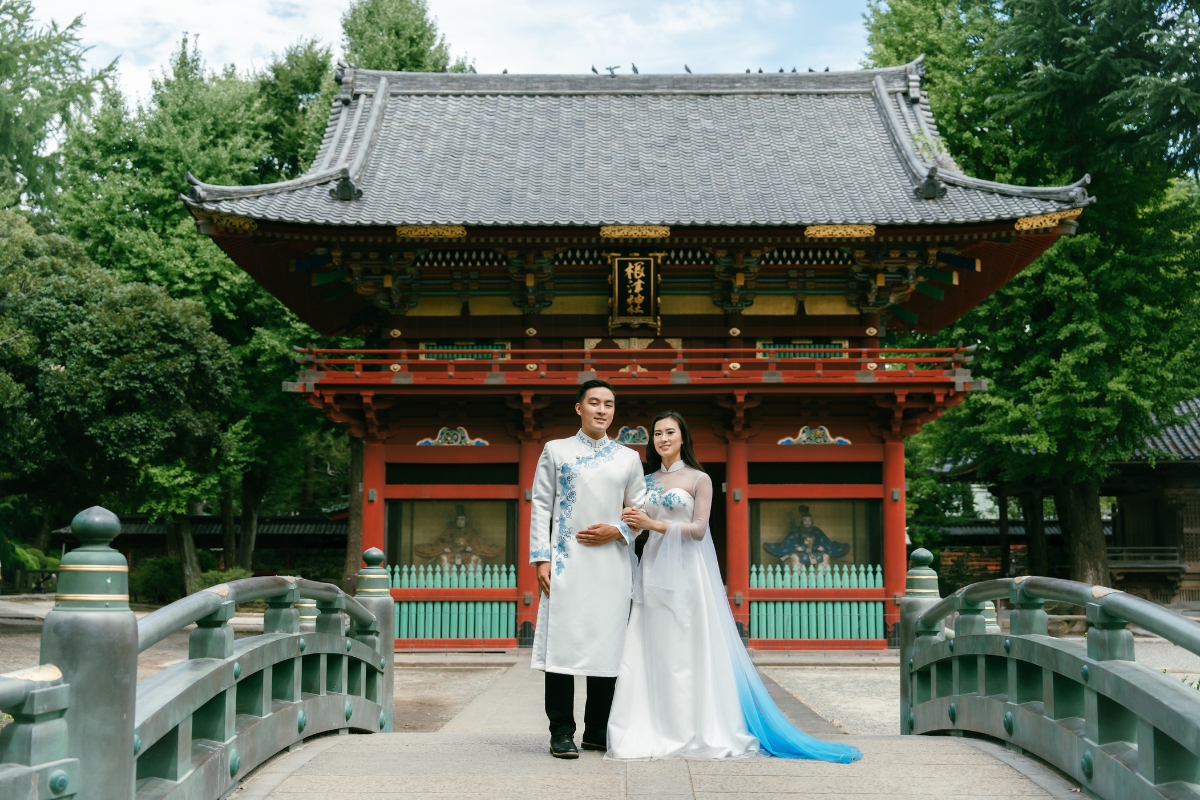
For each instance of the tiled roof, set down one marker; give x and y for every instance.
(1181, 441)
(744, 150)
(991, 527)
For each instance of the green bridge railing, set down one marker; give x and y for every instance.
(82, 726)
(1124, 731)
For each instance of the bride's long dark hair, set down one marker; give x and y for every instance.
(686, 452)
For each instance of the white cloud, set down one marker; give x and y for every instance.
(521, 35)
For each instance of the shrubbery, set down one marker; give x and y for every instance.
(157, 580)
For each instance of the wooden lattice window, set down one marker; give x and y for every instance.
(1191, 531)
(435, 351)
(817, 347)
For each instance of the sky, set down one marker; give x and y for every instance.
(523, 36)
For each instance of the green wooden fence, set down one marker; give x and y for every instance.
(468, 619)
(806, 576)
(816, 619)
(455, 576)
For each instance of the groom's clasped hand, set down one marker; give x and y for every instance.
(598, 534)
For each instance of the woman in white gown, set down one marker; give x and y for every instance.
(686, 686)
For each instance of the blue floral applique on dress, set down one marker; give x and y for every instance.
(656, 495)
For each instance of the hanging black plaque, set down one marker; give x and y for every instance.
(634, 291)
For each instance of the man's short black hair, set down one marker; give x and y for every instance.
(595, 383)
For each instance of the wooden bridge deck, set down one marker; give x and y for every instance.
(496, 749)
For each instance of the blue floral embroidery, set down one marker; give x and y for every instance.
(540, 555)
(567, 497)
(656, 495)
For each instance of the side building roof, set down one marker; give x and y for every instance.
(1180, 441)
(769, 149)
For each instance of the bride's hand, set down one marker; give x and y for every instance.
(636, 518)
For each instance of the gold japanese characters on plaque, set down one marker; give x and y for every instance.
(634, 301)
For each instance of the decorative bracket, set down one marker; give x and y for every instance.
(735, 276)
(534, 274)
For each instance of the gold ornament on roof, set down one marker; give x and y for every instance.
(634, 231)
(1046, 220)
(839, 231)
(233, 222)
(431, 231)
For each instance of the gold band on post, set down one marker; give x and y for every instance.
(93, 568)
(93, 598)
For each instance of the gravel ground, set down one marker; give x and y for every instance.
(428, 697)
(859, 700)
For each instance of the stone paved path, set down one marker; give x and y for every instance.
(496, 747)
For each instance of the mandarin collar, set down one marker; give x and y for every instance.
(594, 444)
(678, 465)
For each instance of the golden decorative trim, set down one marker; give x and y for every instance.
(1020, 579)
(221, 590)
(92, 568)
(373, 591)
(1101, 591)
(634, 231)
(1046, 220)
(431, 231)
(839, 231)
(232, 221)
(93, 598)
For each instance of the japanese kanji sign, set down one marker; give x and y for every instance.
(634, 290)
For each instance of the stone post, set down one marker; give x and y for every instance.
(1108, 639)
(374, 592)
(91, 636)
(1028, 612)
(920, 593)
(37, 738)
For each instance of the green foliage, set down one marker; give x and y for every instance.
(933, 502)
(396, 35)
(43, 85)
(213, 577)
(157, 580)
(295, 90)
(28, 557)
(102, 383)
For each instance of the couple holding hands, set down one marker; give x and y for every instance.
(669, 677)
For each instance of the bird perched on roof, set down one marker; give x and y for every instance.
(594, 69)
(687, 69)
(635, 72)
(612, 71)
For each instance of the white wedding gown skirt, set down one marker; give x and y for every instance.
(686, 686)
(676, 694)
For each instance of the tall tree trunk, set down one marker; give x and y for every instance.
(1005, 560)
(228, 528)
(306, 487)
(1035, 532)
(187, 554)
(354, 522)
(1079, 504)
(174, 545)
(254, 489)
(42, 540)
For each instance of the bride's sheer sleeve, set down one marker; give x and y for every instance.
(702, 494)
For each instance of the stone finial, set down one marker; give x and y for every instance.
(95, 526)
(373, 579)
(921, 581)
(93, 576)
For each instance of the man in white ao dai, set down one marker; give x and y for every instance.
(583, 551)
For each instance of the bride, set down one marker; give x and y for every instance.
(687, 687)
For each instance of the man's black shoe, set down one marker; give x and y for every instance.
(593, 746)
(563, 746)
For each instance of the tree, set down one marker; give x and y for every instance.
(1096, 339)
(125, 170)
(43, 86)
(396, 35)
(107, 388)
(294, 90)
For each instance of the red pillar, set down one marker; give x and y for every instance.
(531, 450)
(374, 480)
(737, 529)
(895, 556)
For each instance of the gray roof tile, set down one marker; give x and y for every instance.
(760, 149)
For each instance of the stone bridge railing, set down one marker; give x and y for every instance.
(1123, 730)
(83, 727)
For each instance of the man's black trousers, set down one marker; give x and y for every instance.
(560, 706)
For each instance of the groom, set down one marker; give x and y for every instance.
(582, 552)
